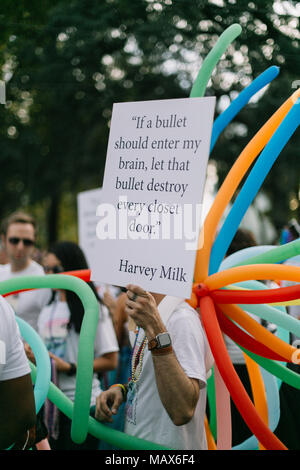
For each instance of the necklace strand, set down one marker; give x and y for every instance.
(137, 360)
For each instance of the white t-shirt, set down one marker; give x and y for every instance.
(63, 342)
(13, 361)
(146, 417)
(27, 305)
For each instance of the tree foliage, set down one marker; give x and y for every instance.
(67, 62)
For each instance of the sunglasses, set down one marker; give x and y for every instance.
(54, 269)
(16, 241)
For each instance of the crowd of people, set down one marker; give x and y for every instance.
(151, 354)
(56, 315)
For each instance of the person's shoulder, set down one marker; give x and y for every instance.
(35, 268)
(4, 270)
(4, 267)
(4, 304)
(185, 309)
(6, 312)
(182, 314)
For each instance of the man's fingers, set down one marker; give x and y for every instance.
(130, 304)
(136, 290)
(107, 404)
(103, 412)
(116, 404)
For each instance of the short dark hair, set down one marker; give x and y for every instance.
(18, 218)
(243, 239)
(294, 229)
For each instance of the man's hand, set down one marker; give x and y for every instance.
(142, 308)
(108, 403)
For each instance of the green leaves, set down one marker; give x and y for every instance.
(73, 60)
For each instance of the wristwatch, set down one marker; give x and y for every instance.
(161, 341)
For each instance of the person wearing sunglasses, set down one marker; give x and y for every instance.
(18, 236)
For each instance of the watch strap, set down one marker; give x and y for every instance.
(152, 344)
(162, 351)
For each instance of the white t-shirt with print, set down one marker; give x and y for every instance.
(27, 305)
(13, 361)
(146, 417)
(52, 327)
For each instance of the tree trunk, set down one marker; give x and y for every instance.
(52, 219)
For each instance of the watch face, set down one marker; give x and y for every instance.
(164, 340)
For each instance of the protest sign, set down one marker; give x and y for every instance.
(149, 218)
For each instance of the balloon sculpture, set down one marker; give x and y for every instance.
(225, 291)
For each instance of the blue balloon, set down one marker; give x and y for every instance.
(252, 185)
(43, 366)
(234, 108)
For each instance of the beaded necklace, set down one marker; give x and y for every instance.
(137, 359)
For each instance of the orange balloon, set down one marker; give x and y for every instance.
(193, 301)
(211, 445)
(231, 182)
(260, 333)
(258, 391)
(252, 272)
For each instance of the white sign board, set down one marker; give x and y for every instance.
(149, 218)
(87, 203)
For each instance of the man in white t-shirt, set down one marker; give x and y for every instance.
(17, 408)
(18, 237)
(166, 396)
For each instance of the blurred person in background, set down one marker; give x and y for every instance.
(59, 325)
(18, 237)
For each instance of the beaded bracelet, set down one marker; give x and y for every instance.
(123, 389)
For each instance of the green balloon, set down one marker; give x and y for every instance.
(277, 369)
(86, 340)
(275, 255)
(95, 428)
(212, 58)
(211, 396)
